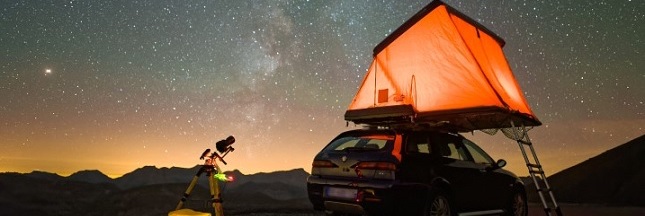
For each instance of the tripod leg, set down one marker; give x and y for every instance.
(190, 188)
(215, 196)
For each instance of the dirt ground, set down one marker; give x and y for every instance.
(534, 210)
(590, 210)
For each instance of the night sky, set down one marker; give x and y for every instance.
(116, 85)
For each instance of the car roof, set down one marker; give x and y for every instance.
(397, 131)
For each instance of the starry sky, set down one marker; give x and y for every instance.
(116, 85)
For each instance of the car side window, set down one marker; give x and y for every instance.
(448, 147)
(456, 151)
(479, 155)
(418, 143)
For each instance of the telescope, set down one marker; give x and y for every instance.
(223, 146)
(213, 173)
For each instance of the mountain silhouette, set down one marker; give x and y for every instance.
(296, 178)
(148, 191)
(29, 194)
(150, 175)
(615, 177)
(45, 175)
(90, 176)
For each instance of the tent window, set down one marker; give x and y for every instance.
(382, 95)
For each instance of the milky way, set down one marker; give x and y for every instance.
(121, 84)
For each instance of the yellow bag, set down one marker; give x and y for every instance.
(187, 212)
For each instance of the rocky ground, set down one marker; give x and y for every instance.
(590, 210)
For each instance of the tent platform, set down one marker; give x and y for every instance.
(463, 120)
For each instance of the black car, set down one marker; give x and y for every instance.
(411, 172)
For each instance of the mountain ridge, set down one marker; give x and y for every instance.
(152, 174)
(613, 177)
(148, 191)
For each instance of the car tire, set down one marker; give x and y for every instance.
(438, 204)
(517, 205)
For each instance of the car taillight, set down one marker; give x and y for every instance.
(376, 166)
(323, 164)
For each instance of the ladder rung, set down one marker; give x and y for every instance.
(543, 189)
(534, 165)
(525, 142)
(547, 210)
(536, 171)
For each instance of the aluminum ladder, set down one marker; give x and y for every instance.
(522, 137)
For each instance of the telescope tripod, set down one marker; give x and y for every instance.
(211, 168)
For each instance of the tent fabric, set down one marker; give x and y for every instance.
(441, 66)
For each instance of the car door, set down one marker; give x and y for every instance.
(494, 184)
(459, 170)
(416, 165)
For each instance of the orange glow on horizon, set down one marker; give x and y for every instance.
(114, 160)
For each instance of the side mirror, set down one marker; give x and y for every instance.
(501, 163)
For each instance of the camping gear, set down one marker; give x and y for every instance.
(187, 212)
(441, 69)
(214, 174)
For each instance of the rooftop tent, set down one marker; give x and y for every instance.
(441, 67)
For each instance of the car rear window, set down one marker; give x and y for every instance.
(360, 143)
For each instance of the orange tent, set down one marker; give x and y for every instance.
(441, 67)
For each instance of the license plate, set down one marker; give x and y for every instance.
(341, 193)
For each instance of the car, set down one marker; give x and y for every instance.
(381, 171)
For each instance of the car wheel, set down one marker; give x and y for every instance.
(438, 205)
(518, 205)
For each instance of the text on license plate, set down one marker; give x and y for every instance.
(340, 193)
